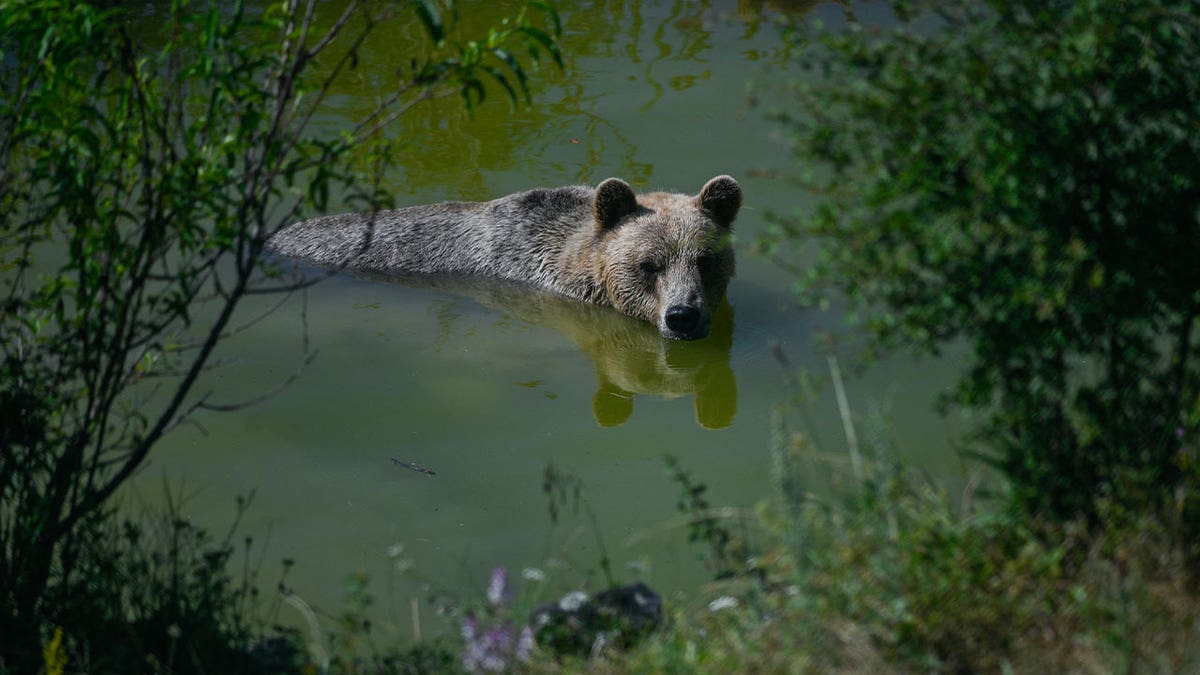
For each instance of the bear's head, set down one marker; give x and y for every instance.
(664, 257)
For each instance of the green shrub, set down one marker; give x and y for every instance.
(155, 593)
(141, 174)
(1021, 176)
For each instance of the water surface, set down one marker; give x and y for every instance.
(484, 385)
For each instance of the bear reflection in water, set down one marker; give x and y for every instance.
(637, 360)
(629, 356)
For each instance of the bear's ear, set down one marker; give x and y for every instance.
(614, 201)
(721, 198)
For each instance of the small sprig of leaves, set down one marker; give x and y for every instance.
(471, 62)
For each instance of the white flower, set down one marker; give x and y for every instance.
(572, 601)
(533, 574)
(638, 566)
(723, 602)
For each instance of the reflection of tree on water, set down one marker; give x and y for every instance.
(630, 358)
(619, 54)
(753, 12)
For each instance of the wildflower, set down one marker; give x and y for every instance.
(497, 586)
(469, 628)
(572, 601)
(494, 646)
(54, 655)
(640, 566)
(494, 649)
(533, 574)
(525, 644)
(723, 602)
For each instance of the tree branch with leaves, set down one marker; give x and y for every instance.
(139, 182)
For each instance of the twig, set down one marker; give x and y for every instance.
(412, 466)
(274, 391)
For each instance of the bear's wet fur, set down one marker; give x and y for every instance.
(661, 257)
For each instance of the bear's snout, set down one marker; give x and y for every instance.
(682, 319)
(685, 322)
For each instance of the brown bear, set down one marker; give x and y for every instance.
(661, 257)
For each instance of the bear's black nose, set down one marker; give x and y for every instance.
(683, 319)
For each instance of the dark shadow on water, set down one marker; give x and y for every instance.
(629, 357)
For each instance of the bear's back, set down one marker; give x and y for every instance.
(514, 237)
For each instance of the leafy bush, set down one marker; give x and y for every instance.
(1021, 176)
(156, 593)
(140, 176)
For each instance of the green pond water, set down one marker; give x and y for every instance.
(485, 385)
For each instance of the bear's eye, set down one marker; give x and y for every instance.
(650, 269)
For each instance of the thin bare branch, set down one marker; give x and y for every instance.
(267, 395)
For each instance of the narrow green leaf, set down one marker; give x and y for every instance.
(430, 18)
(238, 19)
(515, 67)
(212, 22)
(475, 86)
(499, 77)
(47, 39)
(544, 40)
(551, 13)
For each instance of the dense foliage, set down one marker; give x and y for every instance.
(141, 172)
(1021, 177)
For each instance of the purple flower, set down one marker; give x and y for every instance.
(469, 628)
(493, 650)
(494, 645)
(525, 645)
(497, 586)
